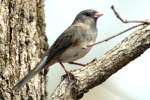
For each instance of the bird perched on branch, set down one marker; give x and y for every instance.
(71, 45)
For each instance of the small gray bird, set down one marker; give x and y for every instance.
(71, 45)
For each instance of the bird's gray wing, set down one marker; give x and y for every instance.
(67, 39)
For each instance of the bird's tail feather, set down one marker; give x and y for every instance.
(31, 74)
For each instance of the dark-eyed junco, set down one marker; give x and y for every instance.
(71, 45)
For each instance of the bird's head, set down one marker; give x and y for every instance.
(88, 16)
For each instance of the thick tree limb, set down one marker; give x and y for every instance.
(98, 71)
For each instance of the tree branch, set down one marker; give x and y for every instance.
(98, 71)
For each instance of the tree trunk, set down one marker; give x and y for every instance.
(22, 43)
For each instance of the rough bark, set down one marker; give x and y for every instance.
(22, 43)
(98, 71)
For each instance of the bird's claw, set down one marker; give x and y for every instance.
(69, 76)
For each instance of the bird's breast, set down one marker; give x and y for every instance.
(80, 45)
(74, 53)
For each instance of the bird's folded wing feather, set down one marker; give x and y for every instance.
(67, 39)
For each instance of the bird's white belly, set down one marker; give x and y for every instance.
(74, 53)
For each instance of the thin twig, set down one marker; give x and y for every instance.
(128, 21)
(115, 35)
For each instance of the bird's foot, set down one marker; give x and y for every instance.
(94, 60)
(69, 76)
(75, 63)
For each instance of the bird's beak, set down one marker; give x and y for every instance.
(98, 15)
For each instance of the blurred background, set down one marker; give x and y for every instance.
(130, 83)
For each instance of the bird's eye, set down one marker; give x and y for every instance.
(87, 14)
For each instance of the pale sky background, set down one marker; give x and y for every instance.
(130, 83)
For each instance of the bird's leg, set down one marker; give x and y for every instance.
(70, 75)
(75, 63)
